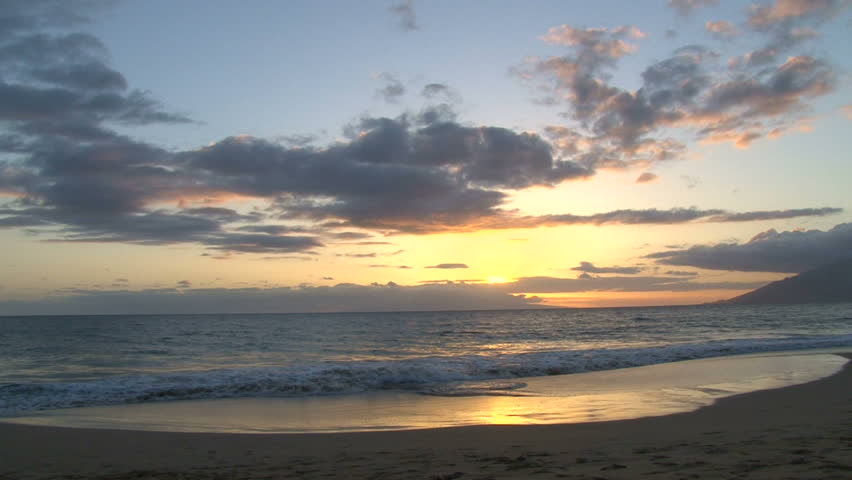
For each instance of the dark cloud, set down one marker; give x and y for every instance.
(647, 177)
(464, 281)
(184, 284)
(774, 214)
(588, 283)
(685, 7)
(15, 221)
(270, 229)
(404, 267)
(630, 217)
(435, 114)
(392, 90)
(448, 265)
(390, 176)
(358, 255)
(588, 267)
(769, 251)
(350, 235)
(153, 228)
(434, 89)
(681, 273)
(405, 15)
(27, 15)
(651, 216)
(260, 243)
(227, 215)
(440, 92)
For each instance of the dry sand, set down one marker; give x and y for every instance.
(804, 431)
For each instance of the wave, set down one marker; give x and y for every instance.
(450, 376)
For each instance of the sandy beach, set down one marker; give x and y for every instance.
(801, 431)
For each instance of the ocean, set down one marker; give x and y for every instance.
(49, 363)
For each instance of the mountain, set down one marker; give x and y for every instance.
(826, 284)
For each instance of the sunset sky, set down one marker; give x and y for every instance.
(289, 156)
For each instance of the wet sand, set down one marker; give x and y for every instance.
(803, 431)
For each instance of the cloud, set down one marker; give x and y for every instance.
(685, 7)
(722, 29)
(270, 229)
(595, 43)
(763, 93)
(405, 15)
(70, 176)
(660, 217)
(782, 12)
(681, 273)
(464, 281)
(587, 283)
(403, 267)
(184, 284)
(769, 251)
(440, 91)
(588, 267)
(731, 103)
(391, 176)
(847, 110)
(350, 235)
(358, 255)
(448, 265)
(787, 24)
(774, 214)
(261, 243)
(647, 177)
(392, 90)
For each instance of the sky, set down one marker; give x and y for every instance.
(211, 156)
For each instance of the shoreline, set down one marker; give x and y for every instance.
(800, 431)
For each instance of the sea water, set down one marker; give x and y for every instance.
(50, 363)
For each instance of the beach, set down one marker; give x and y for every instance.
(802, 431)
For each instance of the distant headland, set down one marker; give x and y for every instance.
(826, 284)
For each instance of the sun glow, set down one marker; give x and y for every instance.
(496, 279)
